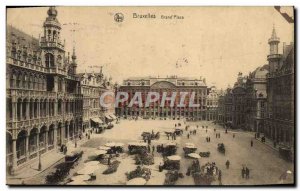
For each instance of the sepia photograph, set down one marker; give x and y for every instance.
(150, 96)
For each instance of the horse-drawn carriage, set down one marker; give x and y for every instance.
(137, 147)
(171, 163)
(152, 136)
(204, 154)
(169, 149)
(178, 132)
(221, 148)
(139, 172)
(189, 148)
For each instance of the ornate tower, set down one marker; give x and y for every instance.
(274, 57)
(53, 49)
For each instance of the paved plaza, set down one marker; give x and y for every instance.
(264, 163)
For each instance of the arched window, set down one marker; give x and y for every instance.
(49, 59)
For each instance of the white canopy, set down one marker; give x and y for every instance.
(174, 157)
(100, 152)
(113, 116)
(97, 120)
(194, 155)
(190, 145)
(136, 181)
(108, 116)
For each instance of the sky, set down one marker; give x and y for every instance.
(213, 42)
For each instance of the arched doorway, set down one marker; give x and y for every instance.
(42, 138)
(21, 144)
(51, 137)
(33, 140)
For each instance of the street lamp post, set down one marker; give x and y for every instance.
(40, 162)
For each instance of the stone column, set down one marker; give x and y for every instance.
(55, 137)
(21, 110)
(27, 147)
(27, 110)
(38, 109)
(67, 132)
(13, 110)
(14, 154)
(74, 128)
(46, 139)
(38, 142)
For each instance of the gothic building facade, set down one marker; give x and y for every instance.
(212, 104)
(280, 119)
(43, 100)
(160, 85)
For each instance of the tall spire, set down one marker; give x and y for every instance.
(274, 36)
(74, 55)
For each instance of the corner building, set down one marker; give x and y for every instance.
(44, 104)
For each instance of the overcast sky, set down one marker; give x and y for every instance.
(213, 42)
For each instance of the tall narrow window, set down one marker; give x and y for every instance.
(49, 59)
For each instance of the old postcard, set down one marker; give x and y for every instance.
(172, 96)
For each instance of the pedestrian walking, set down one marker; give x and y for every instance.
(206, 130)
(227, 164)
(243, 172)
(153, 148)
(233, 135)
(251, 143)
(216, 135)
(220, 176)
(188, 135)
(208, 139)
(247, 171)
(149, 148)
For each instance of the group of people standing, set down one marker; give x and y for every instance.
(208, 139)
(245, 172)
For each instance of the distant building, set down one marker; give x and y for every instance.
(280, 119)
(239, 103)
(93, 85)
(212, 104)
(169, 84)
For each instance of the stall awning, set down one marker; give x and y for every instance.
(97, 120)
(108, 117)
(113, 116)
